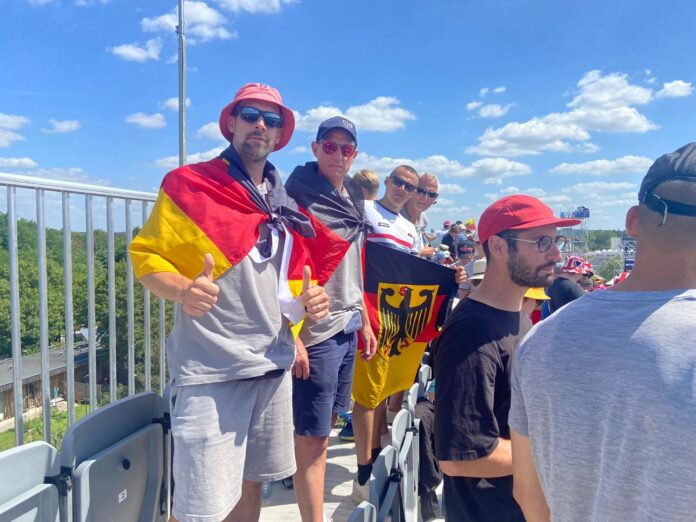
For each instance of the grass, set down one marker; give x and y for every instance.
(33, 429)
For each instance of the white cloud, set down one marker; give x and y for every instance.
(500, 90)
(483, 92)
(255, 6)
(451, 188)
(602, 186)
(602, 104)
(41, 2)
(380, 114)
(494, 110)
(472, 106)
(210, 131)
(172, 162)
(8, 124)
(133, 52)
(675, 89)
(8, 136)
(147, 121)
(610, 91)
(87, 3)
(61, 127)
(12, 121)
(493, 170)
(602, 167)
(20, 163)
(299, 150)
(203, 23)
(172, 104)
(76, 174)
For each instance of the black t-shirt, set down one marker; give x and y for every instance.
(472, 371)
(562, 292)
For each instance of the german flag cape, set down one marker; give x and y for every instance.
(336, 220)
(407, 299)
(214, 207)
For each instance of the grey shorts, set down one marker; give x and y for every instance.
(228, 432)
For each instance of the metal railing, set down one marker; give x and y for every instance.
(69, 193)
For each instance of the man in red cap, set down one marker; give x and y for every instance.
(225, 242)
(472, 365)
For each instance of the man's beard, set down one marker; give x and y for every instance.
(253, 150)
(526, 276)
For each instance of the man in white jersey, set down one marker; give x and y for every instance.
(604, 429)
(389, 227)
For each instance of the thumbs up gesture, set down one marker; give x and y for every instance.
(202, 293)
(314, 298)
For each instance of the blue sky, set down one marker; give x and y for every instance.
(568, 101)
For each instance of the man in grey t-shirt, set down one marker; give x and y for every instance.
(323, 372)
(217, 243)
(604, 427)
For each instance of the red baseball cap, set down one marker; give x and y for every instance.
(264, 93)
(518, 212)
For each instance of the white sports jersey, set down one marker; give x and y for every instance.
(390, 229)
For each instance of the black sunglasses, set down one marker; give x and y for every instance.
(423, 192)
(398, 182)
(272, 120)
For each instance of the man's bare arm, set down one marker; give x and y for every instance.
(526, 487)
(497, 464)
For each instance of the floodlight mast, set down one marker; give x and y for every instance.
(182, 85)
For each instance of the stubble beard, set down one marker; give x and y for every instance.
(254, 151)
(525, 276)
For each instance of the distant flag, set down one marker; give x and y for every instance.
(406, 298)
(470, 224)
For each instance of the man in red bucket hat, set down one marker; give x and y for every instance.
(225, 242)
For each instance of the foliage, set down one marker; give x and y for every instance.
(28, 266)
(601, 239)
(611, 267)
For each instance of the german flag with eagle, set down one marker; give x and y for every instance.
(407, 300)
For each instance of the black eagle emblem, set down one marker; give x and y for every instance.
(399, 326)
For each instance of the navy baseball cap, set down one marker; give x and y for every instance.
(679, 165)
(337, 122)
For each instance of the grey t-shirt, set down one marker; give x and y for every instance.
(611, 413)
(344, 289)
(244, 335)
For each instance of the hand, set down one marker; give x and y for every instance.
(314, 298)
(300, 368)
(459, 274)
(369, 343)
(199, 297)
(426, 251)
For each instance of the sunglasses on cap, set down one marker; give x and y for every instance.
(544, 243)
(398, 182)
(330, 147)
(272, 120)
(423, 192)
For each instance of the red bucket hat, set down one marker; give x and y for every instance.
(518, 212)
(264, 93)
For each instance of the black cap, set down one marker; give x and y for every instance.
(337, 122)
(675, 166)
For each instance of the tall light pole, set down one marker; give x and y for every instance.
(182, 85)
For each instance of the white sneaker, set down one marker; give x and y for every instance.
(359, 492)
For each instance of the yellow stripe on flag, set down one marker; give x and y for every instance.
(380, 377)
(170, 242)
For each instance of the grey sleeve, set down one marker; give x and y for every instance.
(517, 418)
